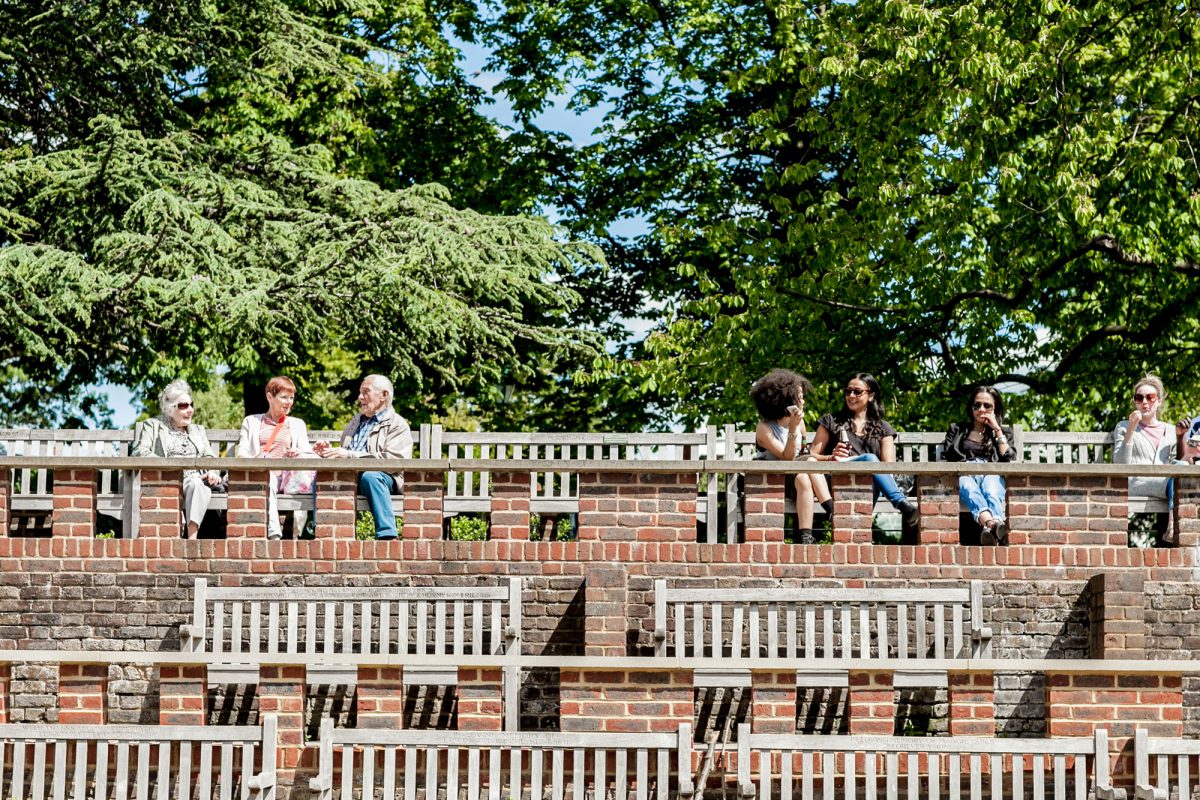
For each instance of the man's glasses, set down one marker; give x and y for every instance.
(1149, 397)
(982, 406)
(183, 406)
(849, 392)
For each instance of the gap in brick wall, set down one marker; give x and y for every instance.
(232, 704)
(718, 712)
(430, 707)
(923, 711)
(541, 699)
(823, 711)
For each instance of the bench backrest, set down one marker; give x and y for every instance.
(740, 625)
(961, 767)
(489, 765)
(139, 761)
(1164, 768)
(232, 621)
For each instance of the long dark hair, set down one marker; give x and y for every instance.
(989, 436)
(874, 427)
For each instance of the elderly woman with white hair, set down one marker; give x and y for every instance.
(173, 435)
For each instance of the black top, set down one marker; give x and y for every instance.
(957, 447)
(858, 445)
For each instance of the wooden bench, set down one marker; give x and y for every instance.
(138, 761)
(894, 767)
(1175, 764)
(442, 621)
(732, 628)
(490, 765)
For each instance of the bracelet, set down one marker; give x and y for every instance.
(791, 435)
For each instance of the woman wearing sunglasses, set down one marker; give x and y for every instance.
(860, 433)
(1146, 439)
(983, 437)
(173, 435)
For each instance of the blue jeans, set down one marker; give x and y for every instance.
(377, 487)
(883, 484)
(981, 493)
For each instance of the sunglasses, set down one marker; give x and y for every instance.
(183, 406)
(982, 406)
(853, 392)
(1149, 398)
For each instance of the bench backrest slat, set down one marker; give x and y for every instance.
(137, 762)
(431, 765)
(892, 767)
(229, 621)
(810, 623)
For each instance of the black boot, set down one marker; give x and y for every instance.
(910, 519)
(805, 536)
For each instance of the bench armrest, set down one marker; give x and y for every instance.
(1147, 792)
(321, 783)
(1109, 793)
(261, 782)
(189, 631)
(660, 634)
(687, 789)
(982, 634)
(747, 790)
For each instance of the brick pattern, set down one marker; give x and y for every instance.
(605, 627)
(160, 506)
(281, 691)
(633, 701)
(247, 514)
(853, 508)
(379, 697)
(1187, 511)
(510, 506)
(1078, 704)
(937, 496)
(5, 672)
(872, 703)
(1117, 605)
(423, 495)
(773, 704)
(972, 700)
(336, 491)
(82, 691)
(1068, 512)
(74, 502)
(633, 507)
(480, 699)
(182, 695)
(764, 507)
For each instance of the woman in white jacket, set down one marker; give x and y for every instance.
(275, 434)
(1146, 439)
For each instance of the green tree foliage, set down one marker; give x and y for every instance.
(941, 193)
(185, 187)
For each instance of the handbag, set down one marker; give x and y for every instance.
(291, 481)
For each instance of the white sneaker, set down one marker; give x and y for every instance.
(274, 536)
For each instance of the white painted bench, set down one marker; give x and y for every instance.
(231, 621)
(1175, 764)
(892, 767)
(44, 762)
(489, 765)
(732, 628)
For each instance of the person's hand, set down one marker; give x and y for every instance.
(212, 477)
(989, 419)
(322, 448)
(1135, 419)
(842, 451)
(291, 452)
(1182, 426)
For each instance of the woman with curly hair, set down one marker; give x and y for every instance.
(982, 437)
(859, 432)
(779, 398)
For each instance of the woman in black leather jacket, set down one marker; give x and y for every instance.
(983, 437)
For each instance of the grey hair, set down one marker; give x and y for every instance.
(170, 393)
(382, 384)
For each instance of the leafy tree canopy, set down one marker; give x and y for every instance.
(174, 199)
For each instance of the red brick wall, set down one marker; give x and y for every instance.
(637, 507)
(633, 701)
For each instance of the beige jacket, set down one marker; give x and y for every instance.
(391, 438)
(149, 434)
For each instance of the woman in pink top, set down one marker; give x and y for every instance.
(275, 434)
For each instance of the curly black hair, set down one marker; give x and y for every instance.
(778, 389)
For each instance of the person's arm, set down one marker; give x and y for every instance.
(300, 444)
(820, 444)
(143, 439)
(950, 445)
(764, 436)
(247, 446)
(1122, 443)
(1004, 448)
(887, 448)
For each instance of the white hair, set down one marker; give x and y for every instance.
(380, 383)
(170, 394)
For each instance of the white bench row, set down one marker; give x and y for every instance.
(733, 628)
(551, 493)
(429, 765)
(159, 762)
